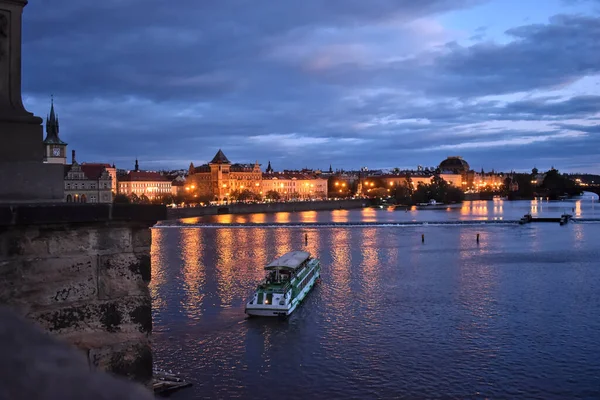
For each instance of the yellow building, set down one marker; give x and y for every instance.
(150, 184)
(220, 178)
(295, 185)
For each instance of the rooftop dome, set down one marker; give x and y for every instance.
(455, 164)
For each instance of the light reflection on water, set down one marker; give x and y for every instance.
(514, 315)
(478, 210)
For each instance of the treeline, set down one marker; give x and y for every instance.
(553, 185)
(407, 194)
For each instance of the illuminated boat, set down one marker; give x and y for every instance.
(288, 281)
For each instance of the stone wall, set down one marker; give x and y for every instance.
(82, 272)
(177, 213)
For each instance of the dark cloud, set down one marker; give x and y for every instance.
(309, 83)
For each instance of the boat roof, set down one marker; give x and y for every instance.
(291, 260)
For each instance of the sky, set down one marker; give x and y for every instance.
(506, 84)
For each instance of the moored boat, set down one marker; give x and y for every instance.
(288, 281)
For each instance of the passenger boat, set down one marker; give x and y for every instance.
(288, 281)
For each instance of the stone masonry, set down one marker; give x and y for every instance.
(82, 272)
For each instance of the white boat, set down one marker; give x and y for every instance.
(288, 281)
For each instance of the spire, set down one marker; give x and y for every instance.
(220, 158)
(52, 126)
(191, 170)
(330, 169)
(269, 168)
(137, 166)
(73, 157)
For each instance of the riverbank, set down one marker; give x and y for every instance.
(242, 208)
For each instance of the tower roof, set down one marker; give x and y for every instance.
(52, 128)
(220, 158)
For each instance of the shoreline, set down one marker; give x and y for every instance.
(267, 208)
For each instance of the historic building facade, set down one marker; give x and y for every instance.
(87, 183)
(152, 185)
(294, 185)
(220, 178)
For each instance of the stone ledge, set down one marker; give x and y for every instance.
(61, 213)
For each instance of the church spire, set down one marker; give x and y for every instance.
(137, 165)
(269, 168)
(52, 127)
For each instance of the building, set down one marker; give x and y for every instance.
(220, 178)
(89, 183)
(152, 185)
(111, 169)
(55, 150)
(292, 185)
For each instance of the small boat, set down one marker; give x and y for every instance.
(288, 281)
(431, 205)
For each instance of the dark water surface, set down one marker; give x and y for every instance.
(515, 315)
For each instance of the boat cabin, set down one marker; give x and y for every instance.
(283, 268)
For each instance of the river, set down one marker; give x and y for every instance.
(513, 315)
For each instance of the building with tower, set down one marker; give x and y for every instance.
(55, 150)
(219, 178)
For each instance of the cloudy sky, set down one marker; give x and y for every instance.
(507, 84)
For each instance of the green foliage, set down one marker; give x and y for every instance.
(134, 198)
(403, 193)
(273, 195)
(438, 190)
(144, 199)
(121, 199)
(556, 185)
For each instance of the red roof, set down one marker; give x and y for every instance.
(96, 164)
(143, 176)
(93, 171)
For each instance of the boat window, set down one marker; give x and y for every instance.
(269, 298)
(260, 298)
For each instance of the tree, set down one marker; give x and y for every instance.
(121, 199)
(273, 195)
(403, 193)
(556, 185)
(245, 195)
(438, 190)
(134, 198)
(144, 199)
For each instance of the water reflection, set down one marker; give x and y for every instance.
(193, 272)
(158, 254)
(282, 217)
(339, 216)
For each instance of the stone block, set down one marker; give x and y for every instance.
(62, 240)
(121, 275)
(113, 239)
(22, 242)
(142, 239)
(32, 283)
(129, 315)
(131, 359)
(31, 182)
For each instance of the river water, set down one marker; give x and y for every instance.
(513, 315)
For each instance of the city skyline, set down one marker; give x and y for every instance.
(389, 84)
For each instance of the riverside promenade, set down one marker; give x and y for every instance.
(242, 208)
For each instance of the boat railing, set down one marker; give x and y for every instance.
(270, 289)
